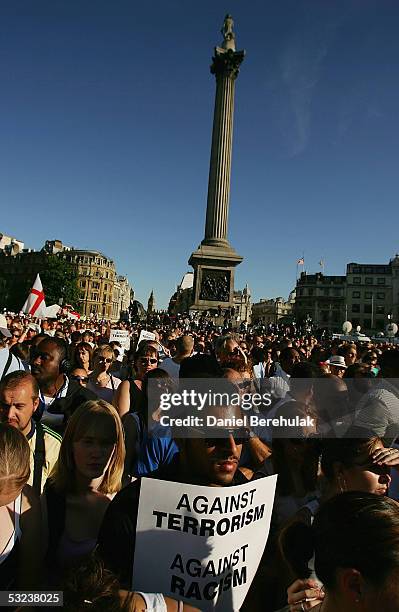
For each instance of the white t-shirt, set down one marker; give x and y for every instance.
(48, 418)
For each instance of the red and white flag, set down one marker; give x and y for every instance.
(35, 304)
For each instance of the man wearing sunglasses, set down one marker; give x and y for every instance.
(207, 456)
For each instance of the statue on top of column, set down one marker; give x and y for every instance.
(228, 34)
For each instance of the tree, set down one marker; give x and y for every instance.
(60, 280)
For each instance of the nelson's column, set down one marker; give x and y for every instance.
(215, 259)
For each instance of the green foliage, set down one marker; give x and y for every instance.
(60, 280)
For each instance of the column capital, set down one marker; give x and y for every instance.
(227, 62)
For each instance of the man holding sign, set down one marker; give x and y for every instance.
(205, 546)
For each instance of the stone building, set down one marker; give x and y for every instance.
(181, 300)
(367, 296)
(96, 280)
(273, 311)
(10, 245)
(123, 296)
(97, 277)
(369, 290)
(243, 305)
(322, 299)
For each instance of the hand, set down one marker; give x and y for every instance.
(304, 595)
(386, 456)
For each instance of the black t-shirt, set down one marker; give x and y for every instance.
(117, 537)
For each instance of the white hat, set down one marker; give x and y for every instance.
(34, 327)
(3, 327)
(338, 361)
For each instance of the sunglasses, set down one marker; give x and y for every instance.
(80, 378)
(105, 359)
(240, 436)
(235, 351)
(145, 360)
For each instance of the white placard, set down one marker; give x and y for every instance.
(122, 336)
(199, 544)
(145, 335)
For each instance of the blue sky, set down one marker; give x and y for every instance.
(106, 116)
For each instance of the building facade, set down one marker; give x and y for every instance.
(101, 292)
(96, 280)
(243, 305)
(272, 311)
(10, 245)
(182, 299)
(321, 300)
(367, 296)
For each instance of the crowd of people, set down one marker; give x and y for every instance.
(80, 426)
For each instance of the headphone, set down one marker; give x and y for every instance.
(65, 366)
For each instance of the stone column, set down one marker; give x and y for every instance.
(215, 259)
(225, 67)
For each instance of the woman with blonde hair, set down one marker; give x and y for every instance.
(85, 479)
(20, 518)
(101, 381)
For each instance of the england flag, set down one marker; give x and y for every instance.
(35, 304)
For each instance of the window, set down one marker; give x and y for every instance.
(356, 270)
(380, 281)
(326, 292)
(368, 308)
(355, 294)
(368, 295)
(380, 310)
(310, 291)
(367, 323)
(368, 270)
(356, 280)
(368, 280)
(355, 307)
(83, 283)
(381, 296)
(337, 292)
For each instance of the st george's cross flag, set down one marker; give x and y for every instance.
(35, 304)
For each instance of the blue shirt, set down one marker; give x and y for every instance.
(157, 450)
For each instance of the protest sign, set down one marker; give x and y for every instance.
(145, 335)
(199, 544)
(122, 336)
